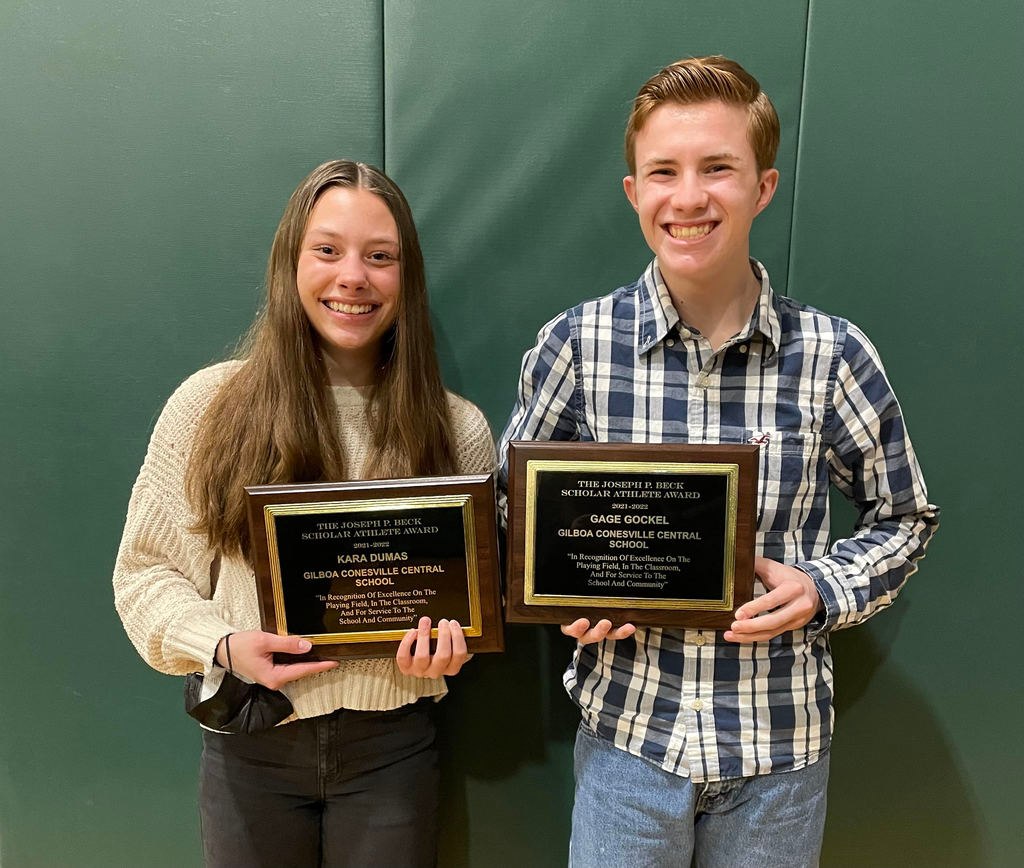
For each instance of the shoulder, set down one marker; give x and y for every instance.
(815, 332)
(804, 321)
(799, 318)
(474, 443)
(618, 301)
(188, 403)
(593, 316)
(467, 418)
(858, 345)
(201, 387)
(594, 312)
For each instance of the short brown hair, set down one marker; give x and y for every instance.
(700, 79)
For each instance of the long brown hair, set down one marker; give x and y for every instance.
(273, 421)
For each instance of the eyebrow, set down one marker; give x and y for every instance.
(659, 161)
(330, 233)
(710, 158)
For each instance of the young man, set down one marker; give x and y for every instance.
(695, 742)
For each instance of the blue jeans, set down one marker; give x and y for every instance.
(352, 788)
(629, 811)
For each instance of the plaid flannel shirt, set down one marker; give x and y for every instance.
(811, 390)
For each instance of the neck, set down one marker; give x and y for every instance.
(718, 307)
(350, 369)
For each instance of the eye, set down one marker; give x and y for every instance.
(664, 172)
(382, 257)
(325, 249)
(719, 167)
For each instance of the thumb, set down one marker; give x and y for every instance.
(287, 644)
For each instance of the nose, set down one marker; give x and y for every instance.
(689, 193)
(351, 272)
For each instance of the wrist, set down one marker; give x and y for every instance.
(222, 654)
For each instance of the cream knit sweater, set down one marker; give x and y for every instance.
(162, 575)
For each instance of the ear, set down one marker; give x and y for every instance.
(767, 186)
(629, 188)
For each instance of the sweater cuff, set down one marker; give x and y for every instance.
(196, 638)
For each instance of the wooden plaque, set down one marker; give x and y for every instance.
(650, 534)
(352, 566)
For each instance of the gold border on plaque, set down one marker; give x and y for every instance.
(464, 501)
(676, 468)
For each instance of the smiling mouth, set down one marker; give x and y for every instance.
(698, 231)
(342, 307)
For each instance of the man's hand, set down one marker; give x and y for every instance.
(252, 655)
(448, 656)
(791, 602)
(582, 632)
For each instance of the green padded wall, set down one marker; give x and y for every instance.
(148, 152)
(907, 220)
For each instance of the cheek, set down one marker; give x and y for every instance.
(650, 204)
(391, 286)
(302, 278)
(310, 278)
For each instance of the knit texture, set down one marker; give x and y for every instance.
(162, 575)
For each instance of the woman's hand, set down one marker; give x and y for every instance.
(448, 656)
(251, 653)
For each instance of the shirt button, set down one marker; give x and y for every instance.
(685, 333)
(697, 705)
(700, 640)
(670, 343)
(702, 381)
(743, 348)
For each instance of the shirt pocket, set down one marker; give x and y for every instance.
(792, 485)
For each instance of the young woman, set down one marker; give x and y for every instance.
(338, 380)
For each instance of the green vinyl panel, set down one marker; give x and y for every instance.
(504, 126)
(148, 150)
(907, 220)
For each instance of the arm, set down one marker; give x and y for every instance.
(545, 406)
(547, 409)
(872, 462)
(162, 576)
(162, 583)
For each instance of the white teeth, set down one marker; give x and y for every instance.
(690, 231)
(341, 307)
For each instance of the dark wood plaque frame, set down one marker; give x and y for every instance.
(644, 458)
(320, 496)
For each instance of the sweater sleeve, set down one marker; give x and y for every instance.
(162, 584)
(473, 439)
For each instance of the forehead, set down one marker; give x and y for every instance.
(675, 131)
(351, 210)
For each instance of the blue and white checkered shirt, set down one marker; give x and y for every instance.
(811, 390)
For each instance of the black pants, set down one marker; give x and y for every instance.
(352, 788)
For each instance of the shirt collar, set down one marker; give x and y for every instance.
(658, 316)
